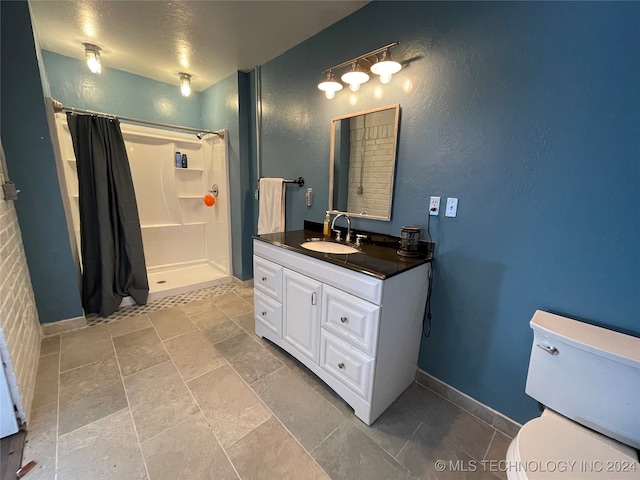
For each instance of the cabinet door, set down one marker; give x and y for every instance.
(301, 313)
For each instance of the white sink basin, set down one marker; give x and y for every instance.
(328, 247)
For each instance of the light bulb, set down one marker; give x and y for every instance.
(385, 78)
(185, 84)
(354, 87)
(330, 86)
(94, 64)
(92, 54)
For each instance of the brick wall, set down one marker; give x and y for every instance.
(20, 332)
(370, 183)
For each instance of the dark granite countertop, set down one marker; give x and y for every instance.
(377, 257)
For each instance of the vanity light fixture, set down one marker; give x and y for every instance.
(330, 86)
(185, 84)
(357, 75)
(92, 54)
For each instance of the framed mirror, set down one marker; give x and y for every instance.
(363, 162)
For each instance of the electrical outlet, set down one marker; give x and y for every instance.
(434, 206)
(452, 207)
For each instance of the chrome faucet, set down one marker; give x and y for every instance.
(348, 239)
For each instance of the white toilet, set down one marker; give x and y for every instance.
(589, 380)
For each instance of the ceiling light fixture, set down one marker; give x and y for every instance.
(185, 84)
(92, 54)
(330, 86)
(383, 66)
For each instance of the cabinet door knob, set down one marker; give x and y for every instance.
(264, 279)
(341, 365)
(343, 319)
(264, 313)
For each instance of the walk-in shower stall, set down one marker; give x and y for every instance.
(187, 244)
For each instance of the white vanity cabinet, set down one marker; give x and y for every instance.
(358, 333)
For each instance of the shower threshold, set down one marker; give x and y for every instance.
(181, 279)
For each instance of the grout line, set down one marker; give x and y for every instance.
(132, 331)
(205, 373)
(145, 369)
(180, 334)
(325, 438)
(84, 365)
(126, 395)
(407, 442)
(94, 421)
(228, 338)
(266, 376)
(489, 446)
(47, 355)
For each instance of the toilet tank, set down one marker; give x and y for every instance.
(588, 374)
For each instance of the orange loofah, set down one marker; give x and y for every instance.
(209, 200)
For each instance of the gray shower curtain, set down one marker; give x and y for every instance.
(113, 264)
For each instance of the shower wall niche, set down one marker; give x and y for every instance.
(186, 244)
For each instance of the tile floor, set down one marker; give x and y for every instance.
(189, 392)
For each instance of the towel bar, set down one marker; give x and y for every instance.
(299, 181)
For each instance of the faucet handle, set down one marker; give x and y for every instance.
(338, 235)
(359, 238)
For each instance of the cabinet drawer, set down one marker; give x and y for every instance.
(350, 318)
(268, 312)
(267, 277)
(350, 366)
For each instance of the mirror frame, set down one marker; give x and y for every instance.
(395, 106)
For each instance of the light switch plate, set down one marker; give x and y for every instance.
(452, 207)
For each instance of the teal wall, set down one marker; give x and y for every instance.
(529, 113)
(226, 105)
(31, 165)
(119, 93)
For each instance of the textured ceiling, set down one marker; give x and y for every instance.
(208, 39)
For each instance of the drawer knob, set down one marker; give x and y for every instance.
(343, 319)
(264, 313)
(341, 365)
(264, 279)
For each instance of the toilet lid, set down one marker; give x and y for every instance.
(552, 446)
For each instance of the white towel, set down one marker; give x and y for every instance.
(271, 215)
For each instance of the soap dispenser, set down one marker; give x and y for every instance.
(327, 225)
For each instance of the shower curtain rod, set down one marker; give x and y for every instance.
(58, 107)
